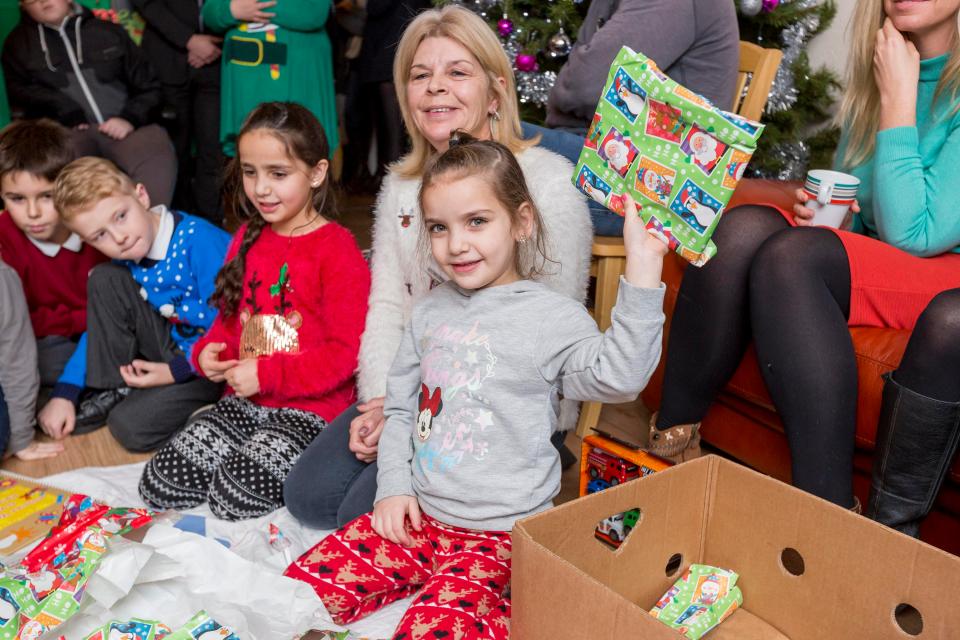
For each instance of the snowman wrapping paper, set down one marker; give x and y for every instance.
(679, 156)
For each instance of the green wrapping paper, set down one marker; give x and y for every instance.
(699, 601)
(679, 156)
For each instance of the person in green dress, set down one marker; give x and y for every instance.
(276, 50)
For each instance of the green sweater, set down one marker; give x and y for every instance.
(295, 64)
(905, 189)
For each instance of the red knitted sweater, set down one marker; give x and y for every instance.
(55, 288)
(323, 292)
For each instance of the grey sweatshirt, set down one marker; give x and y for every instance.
(19, 375)
(695, 42)
(472, 395)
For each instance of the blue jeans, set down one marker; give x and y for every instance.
(328, 487)
(4, 424)
(569, 145)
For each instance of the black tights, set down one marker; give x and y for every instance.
(789, 290)
(931, 363)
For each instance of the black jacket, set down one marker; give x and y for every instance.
(170, 24)
(41, 79)
(386, 20)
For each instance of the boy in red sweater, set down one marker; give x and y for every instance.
(52, 263)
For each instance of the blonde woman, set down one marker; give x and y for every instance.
(450, 73)
(794, 289)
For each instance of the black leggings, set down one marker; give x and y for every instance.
(788, 289)
(931, 363)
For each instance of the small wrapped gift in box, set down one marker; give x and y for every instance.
(679, 156)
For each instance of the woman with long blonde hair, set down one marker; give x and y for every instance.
(450, 73)
(795, 289)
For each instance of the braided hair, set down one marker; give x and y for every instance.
(303, 136)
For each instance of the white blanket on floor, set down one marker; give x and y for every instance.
(117, 486)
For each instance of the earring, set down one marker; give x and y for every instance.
(495, 115)
(315, 184)
(523, 238)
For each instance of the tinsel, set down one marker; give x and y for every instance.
(783, 94)
(533, 87)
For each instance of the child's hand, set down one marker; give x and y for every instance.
(210, 363)
(645, 250)
(365, 430)
(389, 518)
(116, 128)
(58, 418)
(142, 374)
(251, 10)
(40, 450)
(243, 378)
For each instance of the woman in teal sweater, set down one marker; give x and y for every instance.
(795, 289)
(273, 51)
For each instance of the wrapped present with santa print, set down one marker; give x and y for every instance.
(679, 156)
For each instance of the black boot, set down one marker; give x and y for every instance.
(916, 439)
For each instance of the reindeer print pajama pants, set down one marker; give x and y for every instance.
(235, 455)
(459, 577)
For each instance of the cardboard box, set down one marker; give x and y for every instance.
(854, 574)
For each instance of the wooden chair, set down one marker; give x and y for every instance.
(757, 69)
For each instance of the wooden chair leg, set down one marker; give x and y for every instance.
(589, 417)
(609, 271)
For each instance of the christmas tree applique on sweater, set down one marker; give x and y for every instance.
(267, 333)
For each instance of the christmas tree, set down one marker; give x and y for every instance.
(801, 98)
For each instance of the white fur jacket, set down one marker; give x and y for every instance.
(402, 272)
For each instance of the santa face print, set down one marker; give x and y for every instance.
(618, 151)
(703, 149)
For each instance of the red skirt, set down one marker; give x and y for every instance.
(890, 287)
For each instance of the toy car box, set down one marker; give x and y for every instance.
(808, 569)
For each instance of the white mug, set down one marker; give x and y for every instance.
(832, 193)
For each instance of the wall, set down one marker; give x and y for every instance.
(830, 47)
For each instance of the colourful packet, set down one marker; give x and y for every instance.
(700, 600)
(202, 627)
(678, 155)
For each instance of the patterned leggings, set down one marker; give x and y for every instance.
(235, 455)
(461, 576)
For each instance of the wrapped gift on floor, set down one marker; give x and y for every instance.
(699, 601)
(679, 156)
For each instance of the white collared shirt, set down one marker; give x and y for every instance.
(51, 249)
(158, 250)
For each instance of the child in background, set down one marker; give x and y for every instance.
(471, 404)
(292, 299)
(19, 378)
(144, 311)
(61, 62)
(53, 264)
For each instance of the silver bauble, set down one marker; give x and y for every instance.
(559, 45)
(750, 7)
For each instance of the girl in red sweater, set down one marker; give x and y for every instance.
(292, 298)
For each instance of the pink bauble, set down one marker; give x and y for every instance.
(769, 5)
(504, 27)
(526, 62)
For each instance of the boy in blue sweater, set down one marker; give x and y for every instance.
(144, 311)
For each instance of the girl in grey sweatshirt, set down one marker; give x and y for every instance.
(472, 401)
